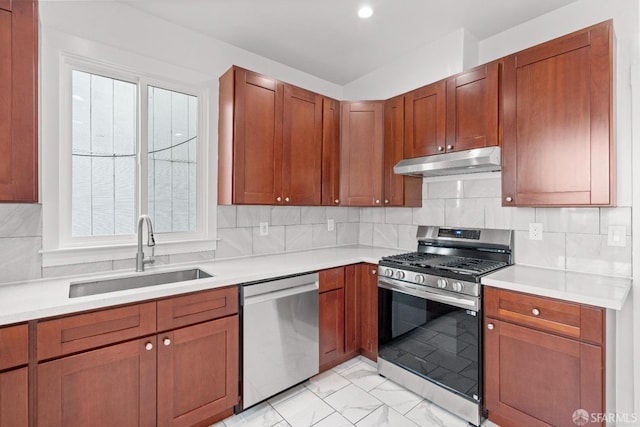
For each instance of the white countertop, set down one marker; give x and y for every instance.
(42, 298)
(50, 297)
(600, 291)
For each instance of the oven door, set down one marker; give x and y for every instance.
(433, 334)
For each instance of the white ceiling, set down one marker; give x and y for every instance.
(326, 38)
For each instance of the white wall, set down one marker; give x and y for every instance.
(121, 26)
(625, 14)
(427, 64)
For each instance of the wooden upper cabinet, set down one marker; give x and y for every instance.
(425, 116)
(302, 147)
(19, 101)
(472, 108)
(398, 190)
(361, 153)
(269, 141)
(330, 152)
(249, 138)
(557, 140)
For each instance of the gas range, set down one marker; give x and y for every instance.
(451, 259)
(429, 322)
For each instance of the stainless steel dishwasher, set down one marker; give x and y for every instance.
(280, 345)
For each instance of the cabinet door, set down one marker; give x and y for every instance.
(257, 141)
(398, 190)
(472, 108)
(14, 346)
(368, 279)
(113, 386)
(14, 398)
(330, 152)
(557, 143)
(351, 310)
(424, 121)
(361, 151)
(198, 373)
(302, 147)
(331, 326)
(538, 379)
(19, 102)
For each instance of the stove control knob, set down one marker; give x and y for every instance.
(400, 274)
(457, 286)
(442, 283)
(419, 279)
(388, 272)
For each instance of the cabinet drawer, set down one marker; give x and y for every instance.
(197, 307)
(14, 346)
(85, 331)
(546, 314)
(332, 278)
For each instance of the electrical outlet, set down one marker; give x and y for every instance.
(264, 228)
(535, 231)
(617, 235)
(331, 225)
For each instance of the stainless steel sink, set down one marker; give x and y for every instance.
(103, 286)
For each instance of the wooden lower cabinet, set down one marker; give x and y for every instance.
(368, 280)
(14, 397)
(348, 314)
(112, 386)
(331, 328)
(183, 377)
(198, 372)
(543, 360)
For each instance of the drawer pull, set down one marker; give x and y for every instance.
(148, 346)
(490, 326)
(166, 341)
(535, 312)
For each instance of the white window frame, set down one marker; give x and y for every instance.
(60, 247)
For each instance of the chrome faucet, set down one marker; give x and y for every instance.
(140, 258)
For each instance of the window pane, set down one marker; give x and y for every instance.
(172, 160)
(103, 156)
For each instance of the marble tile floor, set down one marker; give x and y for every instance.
(351, 394)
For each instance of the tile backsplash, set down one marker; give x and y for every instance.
(574, 239)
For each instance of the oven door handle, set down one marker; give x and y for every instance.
(469, 303)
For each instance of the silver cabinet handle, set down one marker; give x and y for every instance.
(490, 326)
(148, 346)
(166, 341)
(509, 199)
(535, 312)
(386, 202)
(374, 271)
(449, 147)
(287, 199)
(278, 199)
(377, 202)
(336, 201)
(440, 148)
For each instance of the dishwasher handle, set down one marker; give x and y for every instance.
(270, 296)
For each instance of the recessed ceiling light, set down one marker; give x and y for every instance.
(365, 12)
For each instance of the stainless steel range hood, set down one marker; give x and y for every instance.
(485, 159)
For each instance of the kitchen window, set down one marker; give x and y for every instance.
(129, 145)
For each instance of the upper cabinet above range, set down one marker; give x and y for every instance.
(458, 113)
(18, 101)
(269, 141)
(558, 148)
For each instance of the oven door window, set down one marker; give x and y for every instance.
(436, 341)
